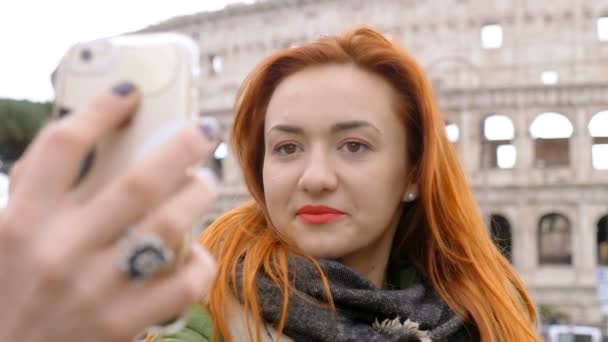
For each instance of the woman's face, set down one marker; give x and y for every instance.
(335, 160)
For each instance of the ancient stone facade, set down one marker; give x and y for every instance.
(547, 59)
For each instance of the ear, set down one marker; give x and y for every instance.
(411, 193)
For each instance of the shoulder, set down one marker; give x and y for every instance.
(198, 329)
(200, 326)
(238, 324)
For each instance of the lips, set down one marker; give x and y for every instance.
(318, 214)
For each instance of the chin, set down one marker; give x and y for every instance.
(318, 251)
(325, 244)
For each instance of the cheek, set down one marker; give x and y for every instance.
(378, 189)
(278, 185)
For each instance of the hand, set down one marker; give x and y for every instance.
(59, 257)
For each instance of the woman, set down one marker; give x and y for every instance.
(362, 226)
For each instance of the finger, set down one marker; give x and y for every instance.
(14, 177)
(177, 218)
(155, 302)
(146, 185)
(172, 224)
(53, 160)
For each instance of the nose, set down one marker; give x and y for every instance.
(319, 174)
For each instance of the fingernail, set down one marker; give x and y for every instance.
(210, 127)
(63, 111)
(123, 89)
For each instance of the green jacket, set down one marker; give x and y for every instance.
(199, 328)
(200, 323)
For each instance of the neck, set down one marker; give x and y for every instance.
(372, 261)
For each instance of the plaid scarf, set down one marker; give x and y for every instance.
(363, 311)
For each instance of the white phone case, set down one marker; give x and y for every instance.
(164, 67)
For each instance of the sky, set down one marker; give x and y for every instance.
(35, 34)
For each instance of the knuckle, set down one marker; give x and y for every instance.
(188, 292)
(212, 192)
(192, 144)
(209, 265)
(87, 297)
(172, 227)
(11, 231)
(114, 327)
(106, 104)
(16, 170)
(140, 186)
(196, 278)
(207, 184)
(103, 102)
(60, 134)
(50, 269)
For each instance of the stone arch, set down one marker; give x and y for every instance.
(500, 229)
(216, 63)
(452, 130)
(601, 26)
(598, 129)
(453, 70)
(551, 132)
(554, 239)
(602, 241)
(497, 147)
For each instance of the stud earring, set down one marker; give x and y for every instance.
(410, 197)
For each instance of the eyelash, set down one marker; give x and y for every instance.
(360, 144)
(279, 149)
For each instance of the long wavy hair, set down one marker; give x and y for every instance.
(442, 234)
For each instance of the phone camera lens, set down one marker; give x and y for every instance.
(86, 55)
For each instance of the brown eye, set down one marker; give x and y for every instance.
(287, 149)
(353, 147)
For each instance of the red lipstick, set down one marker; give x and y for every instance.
(319, 214)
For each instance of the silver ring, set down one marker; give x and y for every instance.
(143, 255)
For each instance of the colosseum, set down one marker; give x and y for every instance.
(524, 92)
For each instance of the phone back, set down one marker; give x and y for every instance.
(163, 66)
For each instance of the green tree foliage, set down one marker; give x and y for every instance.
(550, 314)
(20, 120)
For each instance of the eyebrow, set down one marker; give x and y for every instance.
(338, 127)
(354, 124)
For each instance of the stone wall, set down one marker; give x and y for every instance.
(471, 83)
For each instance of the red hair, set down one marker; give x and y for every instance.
(443, 234)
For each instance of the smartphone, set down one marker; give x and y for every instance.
(164, 67)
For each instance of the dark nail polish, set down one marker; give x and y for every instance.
(210, 128)
(123, 89)
(63, 111)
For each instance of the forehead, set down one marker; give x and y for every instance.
(332, 92)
